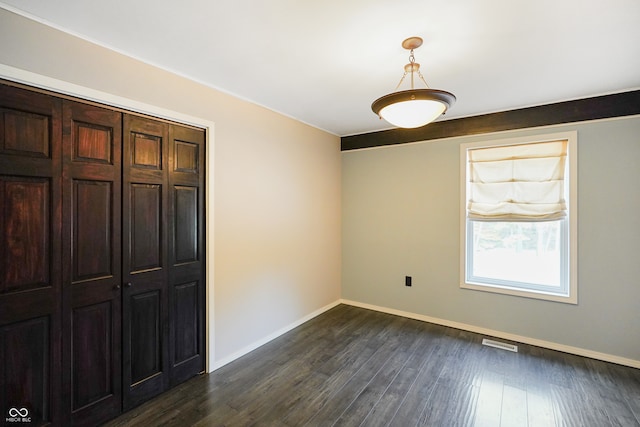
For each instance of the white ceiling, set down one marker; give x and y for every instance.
(325, 62)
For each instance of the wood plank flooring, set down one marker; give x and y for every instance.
(356, 367)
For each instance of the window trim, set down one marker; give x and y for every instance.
(572, 220)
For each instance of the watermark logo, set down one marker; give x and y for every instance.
(18, 415)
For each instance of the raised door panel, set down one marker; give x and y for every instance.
(24, 224)
(92, 230)
(25, 134)
(146, 348)
(187, 156)
(146, 150)
(25, 368)
(145, 218)
(93, 143)
(145, 272)
(92, 351)
(92, 264)
(186, 320)
(186, 226)
(186, 247)
(30, 274)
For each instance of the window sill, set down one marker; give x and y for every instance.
(505, 290)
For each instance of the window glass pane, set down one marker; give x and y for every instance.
(525, 252)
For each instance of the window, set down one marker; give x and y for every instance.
(518, 217)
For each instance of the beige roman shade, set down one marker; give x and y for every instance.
(517, 182)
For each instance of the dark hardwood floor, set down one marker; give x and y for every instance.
(356, 367)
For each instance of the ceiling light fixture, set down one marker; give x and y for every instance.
(414, 107)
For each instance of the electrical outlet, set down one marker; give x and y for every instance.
(407, 280)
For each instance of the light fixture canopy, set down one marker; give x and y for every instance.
(414, 107)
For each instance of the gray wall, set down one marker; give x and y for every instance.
(400, 210)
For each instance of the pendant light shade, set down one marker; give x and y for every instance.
(414, 107)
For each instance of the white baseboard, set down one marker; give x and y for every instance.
(512, 337)
(220, 363)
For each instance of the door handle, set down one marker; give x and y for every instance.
(128, 284)
(116, 287)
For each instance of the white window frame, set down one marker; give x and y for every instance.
(569, 226)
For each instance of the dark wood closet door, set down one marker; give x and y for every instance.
(145, 255)
(102, 291)
(30, 275)
(186, 252)
(91, 263)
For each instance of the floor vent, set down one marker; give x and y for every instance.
(498, 344)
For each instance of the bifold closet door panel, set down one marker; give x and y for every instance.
(145, 255)
(30, 248)
(92, 380)
(186, 252)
